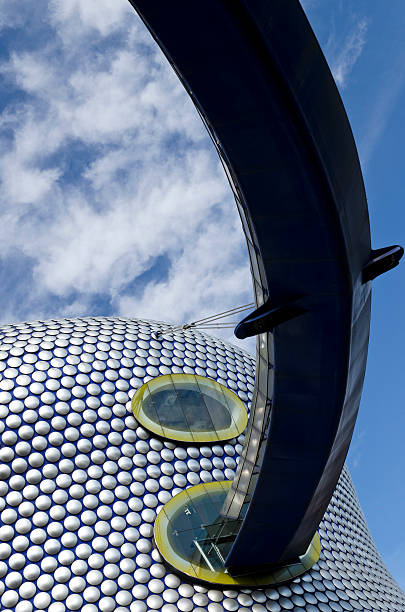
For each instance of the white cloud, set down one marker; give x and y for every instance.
(356, 448)
(9, 16)
(205, 276)
(155, 212)
(32, 75)
(382, 108)
(73, 18)
(25, 185)
(108, 168)
(308, 5)
(343, 56)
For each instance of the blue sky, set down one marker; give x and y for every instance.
(113, 200)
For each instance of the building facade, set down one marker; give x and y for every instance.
(82, 482)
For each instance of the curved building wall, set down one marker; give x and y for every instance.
(82, 482)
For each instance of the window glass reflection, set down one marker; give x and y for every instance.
(195, 538)
(187, 407)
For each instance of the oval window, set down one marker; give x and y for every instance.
(189, 408)
(194, 538)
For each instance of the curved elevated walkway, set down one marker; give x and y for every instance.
(262, 86)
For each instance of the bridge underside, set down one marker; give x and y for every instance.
(262, 86)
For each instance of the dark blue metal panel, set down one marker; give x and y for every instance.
(261, 84)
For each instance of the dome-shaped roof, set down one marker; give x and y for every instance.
(81, 482)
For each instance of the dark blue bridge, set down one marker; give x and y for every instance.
(265, 93)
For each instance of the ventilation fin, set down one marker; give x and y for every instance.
(382, 260)
(264, 318)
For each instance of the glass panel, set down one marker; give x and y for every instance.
(195, 539)
(228, 400)
(213, 397)
(163, 403)
(191, 408)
